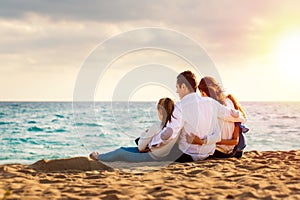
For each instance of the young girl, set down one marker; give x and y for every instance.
(231, 133)
(142, 153)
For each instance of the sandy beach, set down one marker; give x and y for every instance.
(258, 175)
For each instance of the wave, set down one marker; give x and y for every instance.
(88, 124)
(293, 131)
(280, 126)
(4, 123)
(102, 135)
(29, 140)
(265, 118)
(146, 121)
(16, 141)
(60, 130)
(31, 122)
(59, 116)
(12, 141)
(288, 117)
(35, 129)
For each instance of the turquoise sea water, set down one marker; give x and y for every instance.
(30, 131)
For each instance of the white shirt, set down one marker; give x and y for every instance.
(197, 115)
(175, 124)
(147, 135)
(227, 128)
(156, 152)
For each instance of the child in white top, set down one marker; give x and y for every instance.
(142, 153)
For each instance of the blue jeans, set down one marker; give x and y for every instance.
(126, 154)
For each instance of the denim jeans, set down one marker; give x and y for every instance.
(126, 154)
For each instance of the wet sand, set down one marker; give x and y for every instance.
(258, 175)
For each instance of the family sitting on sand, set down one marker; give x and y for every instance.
(195, 128)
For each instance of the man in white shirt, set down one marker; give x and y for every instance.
(194, 114)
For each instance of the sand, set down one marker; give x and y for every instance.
(258, 175)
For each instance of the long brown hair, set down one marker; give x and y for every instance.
(167, 107)
(237, 105)
(213, 89)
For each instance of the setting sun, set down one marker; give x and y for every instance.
(288, 54)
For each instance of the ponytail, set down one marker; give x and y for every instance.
(167, 106)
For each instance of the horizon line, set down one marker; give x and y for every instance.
(67, 101)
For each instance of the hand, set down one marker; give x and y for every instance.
(234, 113)
(190, 138)
(166, 134)
(144, 150)
(193, 139)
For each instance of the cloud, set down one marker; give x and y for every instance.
(38, 41)
(109, 11)
(71, 27)
(49, 36)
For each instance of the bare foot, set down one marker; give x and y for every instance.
(94, 156)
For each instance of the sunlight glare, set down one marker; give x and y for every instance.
(288, 54)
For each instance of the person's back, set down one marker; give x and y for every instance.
(209, 87)
(227, 129)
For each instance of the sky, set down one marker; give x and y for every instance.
(46, 46)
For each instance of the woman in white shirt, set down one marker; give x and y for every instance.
(230, 134)
(142, 153)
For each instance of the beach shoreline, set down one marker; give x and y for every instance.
(258, 175)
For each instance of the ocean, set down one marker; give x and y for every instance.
(30, 131)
